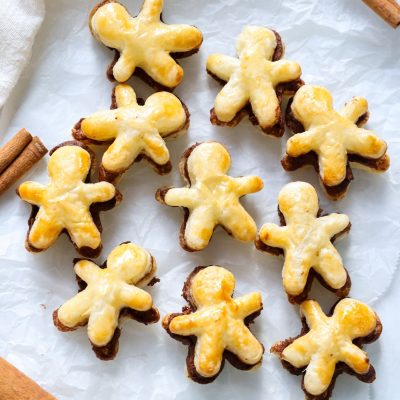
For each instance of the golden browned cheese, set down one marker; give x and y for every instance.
(329, 341)
(213, 197)
(218, 322)
(135, 129)
(144, 41)
(331, 134)
(108, 291)
(252, 77)
(64, 203)
(306, 239)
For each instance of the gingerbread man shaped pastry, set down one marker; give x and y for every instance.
(143, 42)
(69, 203)
(109, 292)
(212, 197)
(306, 241)
(328, 346)
(331, 140)
(256, 81)
(215, 325)
(135, 131)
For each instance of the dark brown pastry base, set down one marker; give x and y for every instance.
(140, 73)
(95, 208)
(341, 367)
(110, 350)
(191, 340)
(338, 191)
(276, 251)
(162, 192)
(113, 177)
(278, 129)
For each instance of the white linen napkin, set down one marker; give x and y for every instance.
(19, 22)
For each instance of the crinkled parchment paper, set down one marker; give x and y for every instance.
(340, 44)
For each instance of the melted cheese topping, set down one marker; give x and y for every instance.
(136, 129)
(144, 41)
(329, 341)
(331, 134)
(108, 291)
(306, 239)
(218, 322)
(213, 197)
(64, 203)
(252, 78)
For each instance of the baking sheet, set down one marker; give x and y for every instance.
(340, 45)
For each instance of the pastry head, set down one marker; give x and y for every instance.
(109, 22)
(212, 285)
(298, 198)
(312, 103)
(69, 164)
(166, 112)
(207, 159)
(130, 262)
(256, 39)
(355, 318)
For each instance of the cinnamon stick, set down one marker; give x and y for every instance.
(14, 385)
(22, 164)
(10, 151)
(389, 10)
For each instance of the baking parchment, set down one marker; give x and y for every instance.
(341, 45)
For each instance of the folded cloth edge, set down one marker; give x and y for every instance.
(20, 21)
